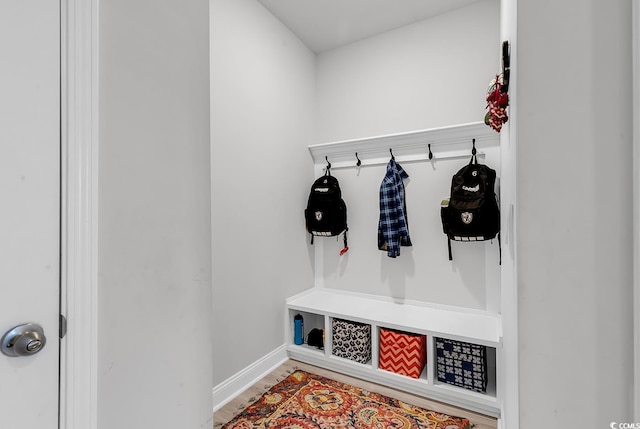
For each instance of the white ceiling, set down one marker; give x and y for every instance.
(327, 24)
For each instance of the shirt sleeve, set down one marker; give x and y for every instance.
(388, 231)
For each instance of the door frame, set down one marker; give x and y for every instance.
(79, 213)
(635, 46)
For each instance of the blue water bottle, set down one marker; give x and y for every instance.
(298, 330)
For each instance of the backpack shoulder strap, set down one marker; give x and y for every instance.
(345, 249)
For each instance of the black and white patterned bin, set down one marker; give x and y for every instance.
(351, 340)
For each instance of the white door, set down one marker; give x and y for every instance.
(30, 206)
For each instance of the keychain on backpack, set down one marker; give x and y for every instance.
(497, 102)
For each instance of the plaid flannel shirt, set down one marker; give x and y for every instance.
(393, 229)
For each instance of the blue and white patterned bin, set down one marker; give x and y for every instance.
(462, 364)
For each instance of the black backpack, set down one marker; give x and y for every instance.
(326, 212)
(472, 213)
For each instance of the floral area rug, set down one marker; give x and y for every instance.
(305, 401)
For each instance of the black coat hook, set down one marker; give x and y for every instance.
(328, 163)
(473, 149)
(430, 153)
(391, 152)
(359, 163)
(506, 67)
(506, 55)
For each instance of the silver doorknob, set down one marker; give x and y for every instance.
(23, 340)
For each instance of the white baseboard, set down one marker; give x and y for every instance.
(241, 381)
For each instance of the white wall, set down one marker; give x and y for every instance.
(574, 225)
(262, 100)
(430, 74)
(154, 321)
(423, 271)
(271, 98)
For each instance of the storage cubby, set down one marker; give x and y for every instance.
(311, 321)
(402, 353)
(419, 318)
(351, 340)
(462, 364)
(491, 375)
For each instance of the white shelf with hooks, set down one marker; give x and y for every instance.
(446, 143)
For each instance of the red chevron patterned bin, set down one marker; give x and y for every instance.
(402, 352)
